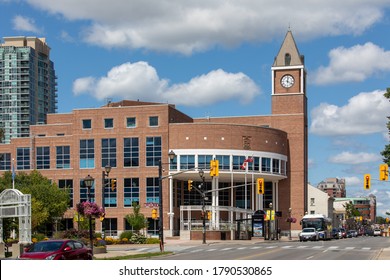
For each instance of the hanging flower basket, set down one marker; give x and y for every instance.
(291, 220)
(90, 209)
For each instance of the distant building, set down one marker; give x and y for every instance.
(319, 202)
(334, 187)
(365, 205)
(27, 85)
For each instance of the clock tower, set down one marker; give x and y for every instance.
(289, 113)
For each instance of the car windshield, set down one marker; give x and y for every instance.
(308, 230)
(45, 246)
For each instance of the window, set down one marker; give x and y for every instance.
(287, 59)
(109, 123)
(265, 165)
(312, 200)
(110, 194)
(153, 151)
(87, 124)
(84, 192)
(110, 226)
(87, 153)
(5, 161)
(153, 121)
(131, 191)
(237, 162)
(67, 184)
(43, 157)
(224, 162)
(204, 161)
(63, 157)
(187, 161)
(131, 122)
(131, 152)
(23, 158)
(275, 166)
(109, 152)
(152, 190)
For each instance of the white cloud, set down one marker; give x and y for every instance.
(191, 26)
(21, 23)
(355, 64)
(353, 181)
(365, 113)
(140, 81)
(355, 158)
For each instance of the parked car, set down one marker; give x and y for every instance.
(64, 249)
(377, 232)
(352, 233)
(308, 234)
(343, 232)
(336, 233)
(368, 232)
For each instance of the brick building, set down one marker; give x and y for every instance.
(133, 137)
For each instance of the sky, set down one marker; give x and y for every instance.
(213, 58)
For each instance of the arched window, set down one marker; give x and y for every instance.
(287, 59)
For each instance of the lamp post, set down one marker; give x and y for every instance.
(171, 155)
(88, 181)
(289, 218)
(201, 174)
(105, 173)
(270, 223)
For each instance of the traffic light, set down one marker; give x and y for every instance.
(190, 185)
(214, 168)
(367, 181)
(113, 184)
(260, 185)
(154, 214)
(102, 217)
(208, 215)
(383, 172)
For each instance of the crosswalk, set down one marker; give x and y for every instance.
(193, 249)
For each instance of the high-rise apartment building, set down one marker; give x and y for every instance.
(27, 85)
(334, 187)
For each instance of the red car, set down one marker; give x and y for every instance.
(63, 249)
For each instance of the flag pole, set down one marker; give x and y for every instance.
(13, 173)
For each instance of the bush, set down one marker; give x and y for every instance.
(38, 237)
(138, 239)
(152, 241)
(126, 234)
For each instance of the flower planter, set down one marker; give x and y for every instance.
(99, 250)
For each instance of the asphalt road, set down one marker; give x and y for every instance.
(361, 248)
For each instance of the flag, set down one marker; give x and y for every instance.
(245, 163)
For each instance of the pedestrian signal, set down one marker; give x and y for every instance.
(367, 181)
(214, 168)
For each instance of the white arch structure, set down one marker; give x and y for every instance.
(14, 203)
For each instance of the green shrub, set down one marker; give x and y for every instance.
(126, 234)
(152, 241)
(138, 239)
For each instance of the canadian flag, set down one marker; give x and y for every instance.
(245, 163)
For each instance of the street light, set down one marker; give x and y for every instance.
(289, 218)
(201, 174)
(105, 173)
(88, 181)
(171, 155)
(270, 229)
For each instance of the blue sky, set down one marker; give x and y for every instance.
(213, 58)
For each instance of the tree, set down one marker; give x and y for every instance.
(351, 211)
(136, 220)
(386, 152)
(47, 200)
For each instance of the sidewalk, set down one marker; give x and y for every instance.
(175, 244)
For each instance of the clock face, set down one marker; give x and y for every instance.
(287, 81)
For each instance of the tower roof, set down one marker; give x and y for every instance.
(288, 54)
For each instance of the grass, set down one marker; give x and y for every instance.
(136, 256)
